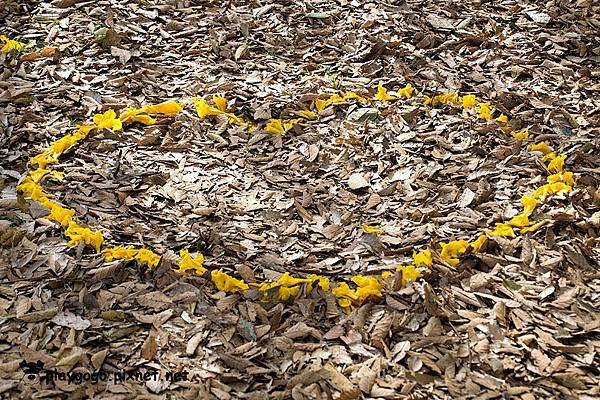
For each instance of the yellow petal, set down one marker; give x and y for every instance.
(308, 114)
(519, 221)
(321, 104)
(78, 234)
(43, 159)
(485, 111)
(108, 120)
(147, 257)
(503, 119)
(469, 101)
(226, 283)
(372, 229)
(423, 258)
(529, 204)
(119, 253)
(386, 274)
(452, 251)
(502, 230)
(203, 109)
(478, 243)
(60, 214)
(533, 227)
(521, 135)
(409, 274)
(383, 95)
(541, 147)
(220, 102)
(557, 164)
(188, 262)
(168, 108)
(567, 177)
(322, 281)
(61, 145)
(285, 293)
(407, 91)
(275, 126)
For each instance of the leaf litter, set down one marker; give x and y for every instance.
(516, 320)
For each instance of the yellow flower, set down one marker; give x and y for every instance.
(502, 230)
(519, 221)
(478, 243)
(447, 98)
(407, 91)
(344, 294)
(423, 258)
(427, 100)
(10, 45)
(63, 216)
(220, 102)
(280, 127)
(33, 191)
(387, 274)
(275, 126)
(226, 283)
(287, 280)
(284, 293)
(549, 157)
(409, 273)
(452, 251)
(551, 188)
(169, 107)
(352, 96)
(322, 282)
(119, 253)
(469, 101)
(503, 119)
(40, 173)
(136, 115)
(372, 229)
(541, 147)
(43, 159)
(557, 164)
(383, 95)
(308, 114)
(367, 287)
(61, 145)
(78, 234)
(566, 177)
(521, 135)
(203, 109)
(321, 104)
(533, 227)
(529, 204)
(108, 120)
(485, 111)
(147, 257)
(188, 262)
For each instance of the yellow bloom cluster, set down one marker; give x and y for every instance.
(227, 283)
(203, 109)
(382, 94)
(10, 45)
(188, 262)
(78, 234)
(142, 255)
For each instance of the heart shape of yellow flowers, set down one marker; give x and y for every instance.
(287, 286)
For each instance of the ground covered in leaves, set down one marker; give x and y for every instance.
(517, 320)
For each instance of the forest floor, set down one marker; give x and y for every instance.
(519, 319)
